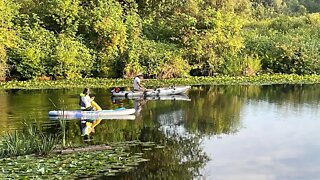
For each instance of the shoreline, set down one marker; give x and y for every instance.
(200, 80)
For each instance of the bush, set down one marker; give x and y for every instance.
(71, 59)
(163, 60)
(238, 65)
(106, 65)
(29, 59)
(3, 63)
(218, 37)
(290, 47)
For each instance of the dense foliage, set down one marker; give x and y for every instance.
(68, 39)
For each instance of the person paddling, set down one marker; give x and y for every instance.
(137, 86)
(85, 100)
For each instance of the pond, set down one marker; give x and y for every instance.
(216, 132)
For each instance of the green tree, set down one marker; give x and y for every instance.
(217, 39)
(111, 36)
(130, 58)
(59, 16)
(163, 60)
(71, 59)
(8, 38)
(286, 44)
(311, 5)
(29, 59)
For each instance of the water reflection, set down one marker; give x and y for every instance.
(87, 127)
(215, 109)
(247, 132)
(182, 158)
(138, 105)
(4, 122)
(176, 97)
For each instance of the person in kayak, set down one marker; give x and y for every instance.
(85, 100)
(137, 86)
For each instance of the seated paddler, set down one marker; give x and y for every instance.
(137, 85)
(85, 100)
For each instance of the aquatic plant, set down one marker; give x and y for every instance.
(28, 141)
(75, 165)
(218, 80)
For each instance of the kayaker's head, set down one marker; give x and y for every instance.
(86, 91)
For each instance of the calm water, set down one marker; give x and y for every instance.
(224, 132)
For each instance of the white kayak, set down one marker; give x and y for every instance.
(96, 117)
(90, 114)
(178, 97)
(156, 92)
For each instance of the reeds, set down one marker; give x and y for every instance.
(29, 141)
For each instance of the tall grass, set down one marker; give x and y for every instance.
(62, 123)
(29, 141)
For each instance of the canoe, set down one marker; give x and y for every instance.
(156, 92)
(177, 97)
(90, 114)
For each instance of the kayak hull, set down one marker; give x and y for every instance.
(156, 92)
(178, 97)
(97, 117)
(88, 114)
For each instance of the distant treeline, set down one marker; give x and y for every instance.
(49, 39)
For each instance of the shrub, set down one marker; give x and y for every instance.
(34, 49)
(218, 37)
(163, 60)
(247, 65)
(71, 59)
(3, 63)
(290, 47)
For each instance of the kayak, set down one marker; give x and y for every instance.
(177, 97)
(88, 114)
(97, 117)
(155, 92)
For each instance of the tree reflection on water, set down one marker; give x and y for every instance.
(180, 126)
(182, 157)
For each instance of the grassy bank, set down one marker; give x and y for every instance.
(109, 83)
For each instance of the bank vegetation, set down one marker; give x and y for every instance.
(72, 39)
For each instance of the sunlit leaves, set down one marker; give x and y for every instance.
(163, 60)
(8, 10)
(60, 16)
(205, 36)
(218, 36)
(71, 59)
(286, 44)
(30, 56)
